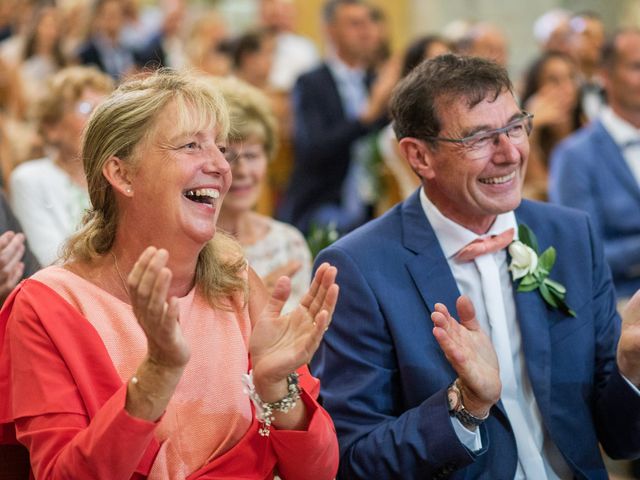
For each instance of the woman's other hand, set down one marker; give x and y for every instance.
(280, 344)
(289, 269)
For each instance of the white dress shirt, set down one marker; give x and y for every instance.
(452, 237)
(351, 85)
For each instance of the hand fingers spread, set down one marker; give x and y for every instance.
(330, 300)
(319, 299)
(320, 326)
(133, 280)
(449, 347)
(278, 297)
(315, 285)
(5, 238)
(467, 313)
(12, 250)
(158, 299)
(149, 276)
(173, 310)
(12, 279)
(16, 275)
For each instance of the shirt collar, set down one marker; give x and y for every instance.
(343, 71)
(622, 132)
(453, 236)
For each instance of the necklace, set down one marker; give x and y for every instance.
(124, 284)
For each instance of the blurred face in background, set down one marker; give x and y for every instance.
(490, 43)
(110, 18)
(248, 160)
(587, 38)
(278, 14)
(66, 133)
(622, 79)
(47, 29)
(560, 75)
(350, 33)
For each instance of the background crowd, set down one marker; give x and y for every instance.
(313, 148)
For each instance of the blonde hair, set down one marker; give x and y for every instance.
(250, 113)
(66, 87)
(125, 120)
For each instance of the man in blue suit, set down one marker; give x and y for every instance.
(529, 383)
(598, 168)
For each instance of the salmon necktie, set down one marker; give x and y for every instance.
(482, 246)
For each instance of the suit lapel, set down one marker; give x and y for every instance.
(533, 318)
(615, 162)
(429, 268)
(333, 98)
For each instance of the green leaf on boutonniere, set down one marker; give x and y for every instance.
(547, 259)
(537, 268)
(555, 286)
(528, 280)
(527, 237)
(547, 295)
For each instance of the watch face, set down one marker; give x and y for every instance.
(453, 398)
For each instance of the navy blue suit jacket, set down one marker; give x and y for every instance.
(322, 137)
(384, 376)
(588, 172)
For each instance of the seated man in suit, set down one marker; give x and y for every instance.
(542, 371)
(598, 168)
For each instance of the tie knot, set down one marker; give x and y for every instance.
(483, 246)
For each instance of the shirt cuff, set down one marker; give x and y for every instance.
(470, 439)
(633, 387)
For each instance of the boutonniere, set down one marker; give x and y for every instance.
(533, 270)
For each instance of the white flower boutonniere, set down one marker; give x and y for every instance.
(533, 270)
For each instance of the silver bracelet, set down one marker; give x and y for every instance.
(265, 410)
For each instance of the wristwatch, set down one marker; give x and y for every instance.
(456, 408)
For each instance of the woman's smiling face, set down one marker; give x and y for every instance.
(180, 176)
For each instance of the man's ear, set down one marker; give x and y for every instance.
(118, 174)
(419, 156)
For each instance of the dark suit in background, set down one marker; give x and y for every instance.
(323, 139)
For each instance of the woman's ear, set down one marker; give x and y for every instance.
(118, 174)
(419, 156)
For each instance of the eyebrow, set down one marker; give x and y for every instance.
(482, 128)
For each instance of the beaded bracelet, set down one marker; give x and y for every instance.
(265, 410)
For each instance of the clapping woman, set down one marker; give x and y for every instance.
(130, 360)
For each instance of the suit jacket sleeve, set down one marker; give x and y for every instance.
(361, 388)
(617, 405)
(572, 176)
(51, 419)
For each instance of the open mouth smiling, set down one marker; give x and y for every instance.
(498, 180)
(202, 195)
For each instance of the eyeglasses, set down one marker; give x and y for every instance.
(481, 144)
(249, 154)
